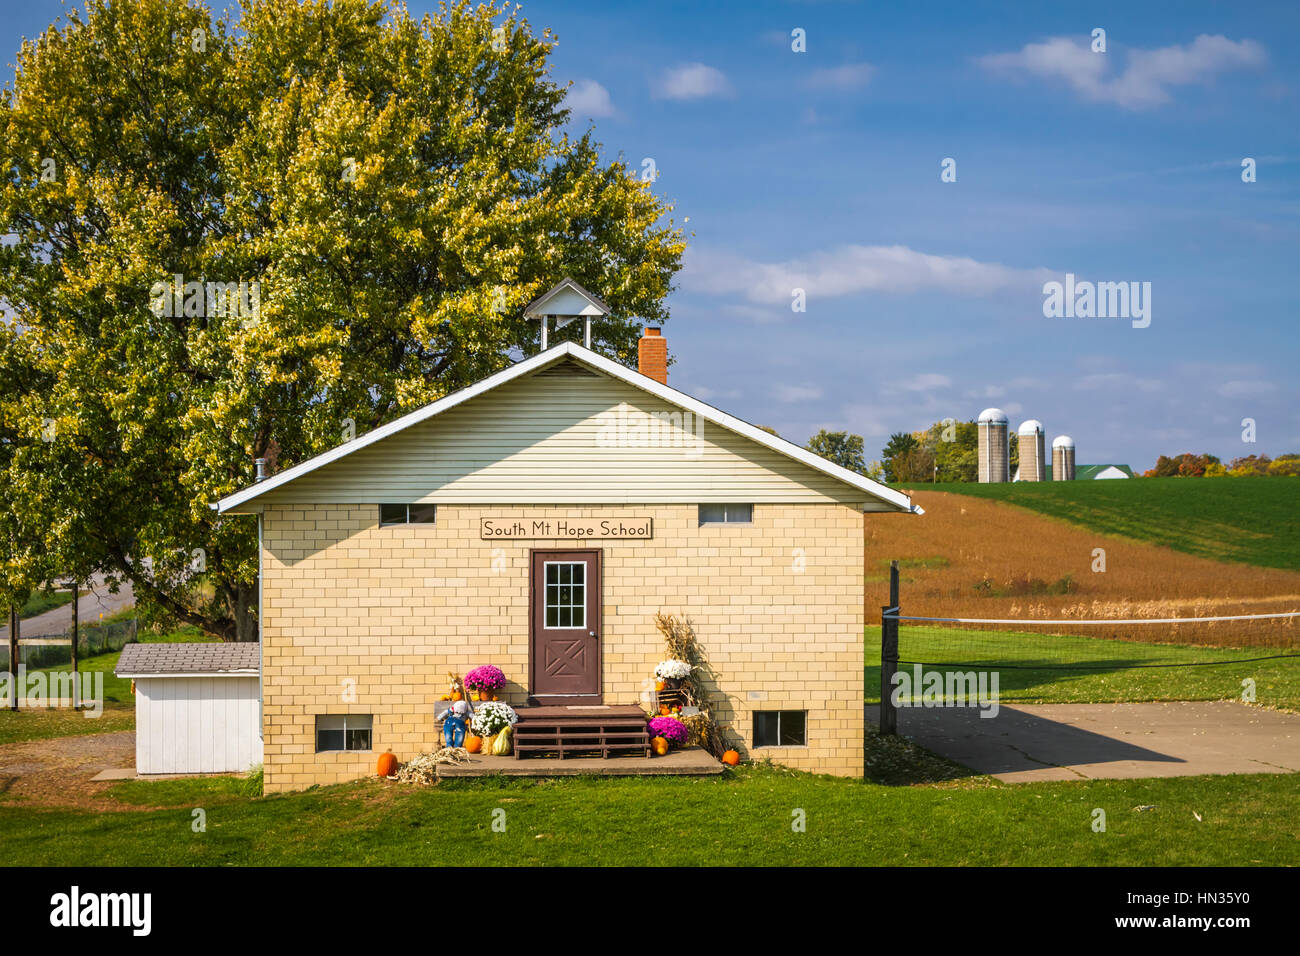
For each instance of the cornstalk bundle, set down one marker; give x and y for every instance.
(424, 768)
(679, 637)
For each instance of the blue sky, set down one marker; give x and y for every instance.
(820, 170)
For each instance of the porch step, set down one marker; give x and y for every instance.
(560, 732)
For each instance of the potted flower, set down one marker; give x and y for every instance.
(670, 674)
(666, 732)
(486, 681)
(489, 720)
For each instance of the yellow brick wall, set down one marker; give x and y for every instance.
(369, 620)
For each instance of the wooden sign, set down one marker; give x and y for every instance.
(572, 529)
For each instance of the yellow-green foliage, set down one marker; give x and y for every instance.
(399, 189)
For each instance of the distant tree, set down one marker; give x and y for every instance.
(900, 443)
(915, 464)
(1249, 466)
(1285, 465)
(955, 448)
(769, 429)
(840, 447)
(1185, 465)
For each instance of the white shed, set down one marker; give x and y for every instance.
(197, 706)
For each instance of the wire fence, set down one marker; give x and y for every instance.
(1109, 644)
(928, 660)
(94, 639)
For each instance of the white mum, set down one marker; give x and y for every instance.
(492, 718)
(672, 670)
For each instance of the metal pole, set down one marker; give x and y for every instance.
(889, 655)
(13, 657)
(76, 689)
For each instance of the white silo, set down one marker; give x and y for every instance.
(1032, 451)
(994, 455)
(1063, 458)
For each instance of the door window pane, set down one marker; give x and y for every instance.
(566, 594)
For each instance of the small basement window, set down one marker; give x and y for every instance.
(726, 514)
(343, 732)
(780, 728)
(390, 515)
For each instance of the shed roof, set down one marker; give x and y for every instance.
(242, 659)
(891, 500)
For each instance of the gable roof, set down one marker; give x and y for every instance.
(895, 500)
(566, 297)
(240, 659)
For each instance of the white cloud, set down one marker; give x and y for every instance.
(590, 100)
(706, 394)
(1246, 389)
(692, 81)
(851, 269)
(925, 381)
(797, 393)
(850, 76)
(1119, 382)
(1147, 74)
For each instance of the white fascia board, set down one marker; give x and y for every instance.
(169, 675)
(900, 501)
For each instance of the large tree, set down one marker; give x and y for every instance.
(398, 189)
(842, 448)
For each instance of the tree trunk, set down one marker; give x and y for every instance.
(246, 623)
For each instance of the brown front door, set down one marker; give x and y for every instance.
(564, 659)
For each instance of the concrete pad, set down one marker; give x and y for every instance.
(689, 762)
(1026, 743)
(124, 773)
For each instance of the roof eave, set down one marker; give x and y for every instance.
(899, 501)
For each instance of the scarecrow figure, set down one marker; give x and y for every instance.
(455, 720)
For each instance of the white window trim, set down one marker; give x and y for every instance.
(725, 520)
(408, 506)
(787, 710)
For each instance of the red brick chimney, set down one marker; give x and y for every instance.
(652, 355)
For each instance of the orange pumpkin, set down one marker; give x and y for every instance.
(473, 744)
(731, 758)
(387, 765)
(659, 745)
(456, 695)
(663, 709)
(659, 685)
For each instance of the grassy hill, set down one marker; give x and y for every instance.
(1244, 520)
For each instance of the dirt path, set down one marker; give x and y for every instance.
(57, 772)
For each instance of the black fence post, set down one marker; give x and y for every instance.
(76, 688)
(889, 655)
(13, 657)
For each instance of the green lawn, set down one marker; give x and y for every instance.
(742, 818)
(1245, 520)
(119, 706)
(1277, 682)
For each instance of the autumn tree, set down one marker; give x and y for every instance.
(1185, 465)
(392, 192)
